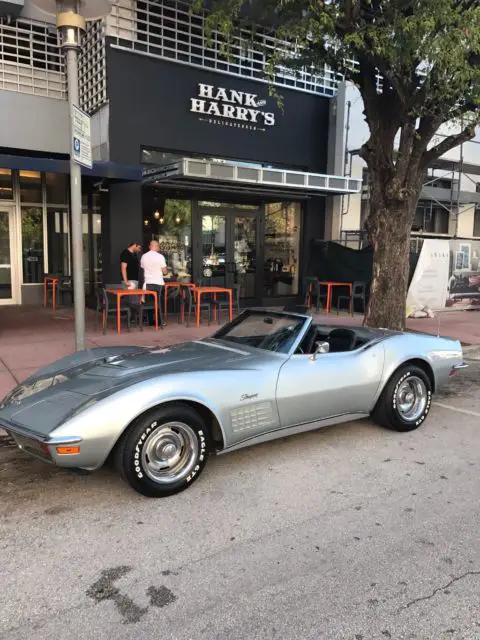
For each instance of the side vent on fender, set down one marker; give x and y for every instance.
(253, 416)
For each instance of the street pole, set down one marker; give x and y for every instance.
(71, 17)
(71, 25)
(76, 207)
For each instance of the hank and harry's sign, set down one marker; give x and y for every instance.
(227, 107)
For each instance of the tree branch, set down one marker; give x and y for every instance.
(450, 143)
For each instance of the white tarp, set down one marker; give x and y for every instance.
(429, 286)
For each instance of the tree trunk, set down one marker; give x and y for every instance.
(390, 237)
(394, 192)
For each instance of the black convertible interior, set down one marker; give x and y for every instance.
(340, 339)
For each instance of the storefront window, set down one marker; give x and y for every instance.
(172, 226)
(32, 244)
(31, 186)
(57, 192)
(97, 247)
(58, 234)
(6, 184)
(5, 256)
(86, 252)
(92, 244)
(282, 244)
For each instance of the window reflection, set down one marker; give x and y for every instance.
(56, 186)
(32, 244)
(86, 252)
(5, 268)
(214, 249)
(97, 247)
(245, 254)
(58, 234)
(30, 186)
(171, 225)
(282, 244)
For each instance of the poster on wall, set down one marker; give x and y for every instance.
(429, 285)
(463, 289)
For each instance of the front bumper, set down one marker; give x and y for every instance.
(42, 447)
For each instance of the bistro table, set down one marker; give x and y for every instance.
(47, 281)
(175, 285)
(330, 286)
(198, 291)
(120, 293)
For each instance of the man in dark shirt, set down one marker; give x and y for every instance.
(130, 265)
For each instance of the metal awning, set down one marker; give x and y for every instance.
(100, 169)
(194, 173)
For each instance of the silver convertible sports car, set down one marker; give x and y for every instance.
(157, 413)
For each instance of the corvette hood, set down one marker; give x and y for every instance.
(43, 401)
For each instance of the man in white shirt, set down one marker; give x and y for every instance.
(154, 268)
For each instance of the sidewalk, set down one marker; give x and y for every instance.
(31, 337)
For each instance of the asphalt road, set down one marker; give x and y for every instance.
(352, 532)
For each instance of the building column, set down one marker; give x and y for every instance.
(122, 224)
(335, 162)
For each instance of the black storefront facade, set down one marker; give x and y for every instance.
(234, 183)
(248, 231)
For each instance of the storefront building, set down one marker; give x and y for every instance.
(190, 148)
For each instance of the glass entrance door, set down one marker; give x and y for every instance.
(7, 289)
(245, 255)
(214, 249)
(229, 250)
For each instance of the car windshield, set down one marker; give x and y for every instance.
(269, 331)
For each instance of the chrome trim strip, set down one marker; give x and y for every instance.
(301, 335)
(463, 365)
(292, 430)
(65, 440)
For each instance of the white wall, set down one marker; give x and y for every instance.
(358, 133)
(466, 221)
(33, 123)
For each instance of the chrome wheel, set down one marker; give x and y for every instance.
(411, 398)
(170, 452)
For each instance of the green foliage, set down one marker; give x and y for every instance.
(426, 54)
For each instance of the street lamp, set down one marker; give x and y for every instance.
(71, 17)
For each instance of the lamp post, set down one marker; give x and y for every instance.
(71, 16)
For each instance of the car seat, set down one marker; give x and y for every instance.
(342, 340)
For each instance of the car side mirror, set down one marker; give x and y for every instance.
(320, 347)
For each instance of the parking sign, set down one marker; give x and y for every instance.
(81, 138)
